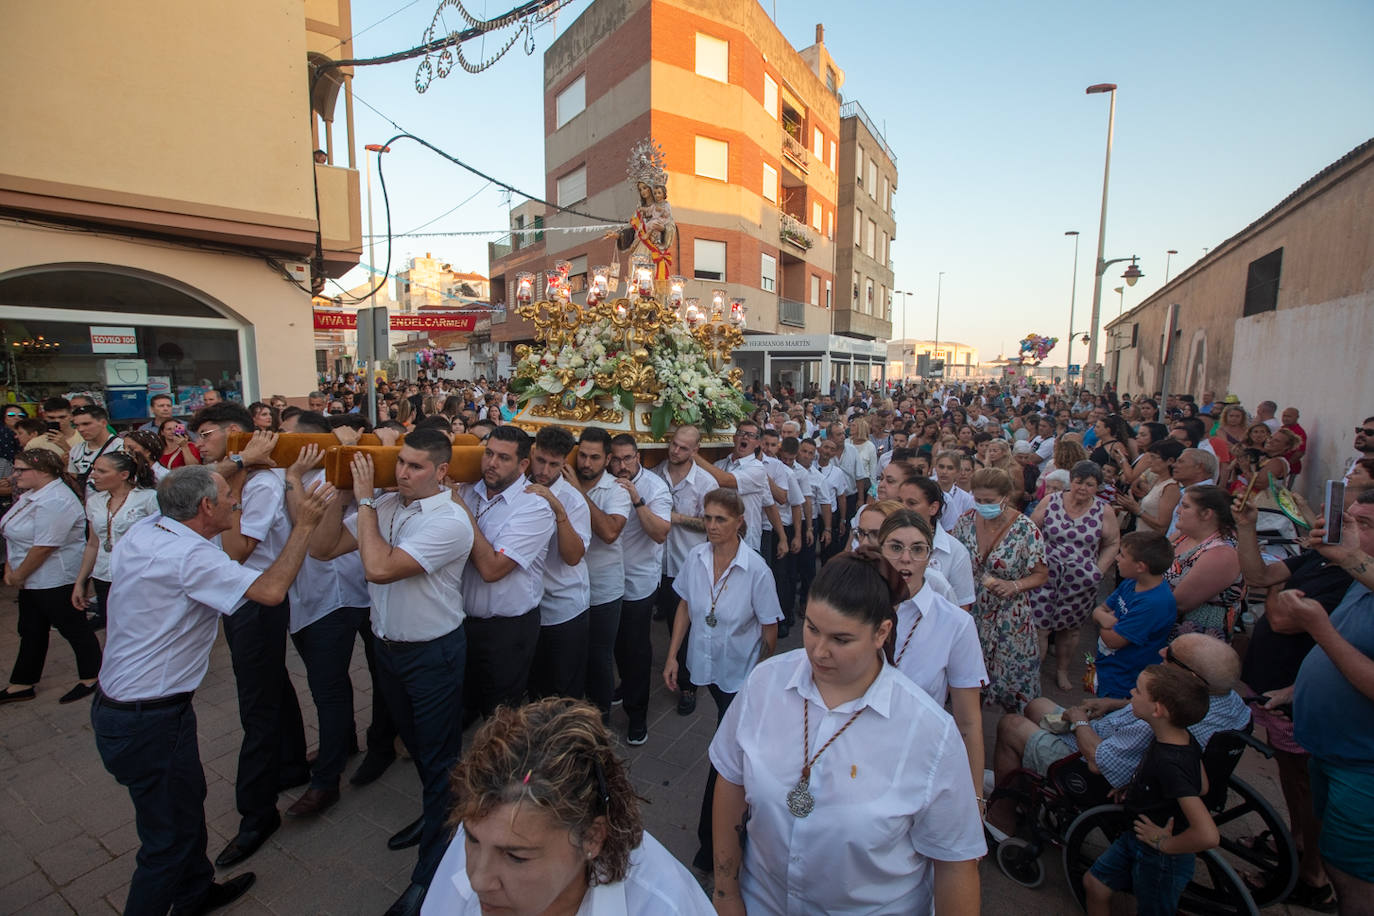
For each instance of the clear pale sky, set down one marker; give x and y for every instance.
(1223, 110)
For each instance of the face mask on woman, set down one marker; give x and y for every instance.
(988, 510)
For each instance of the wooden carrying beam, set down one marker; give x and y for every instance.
(289, 445)
(464, 467)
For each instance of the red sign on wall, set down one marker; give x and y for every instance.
(326, 320)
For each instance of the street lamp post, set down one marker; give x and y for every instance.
(370, 391)
(906, 302)
(1110, 89)
(1168, 256)
(1073, 296)
(939, 287)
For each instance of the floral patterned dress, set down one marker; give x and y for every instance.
(1006, 627)
(1216, 616)
(1071, 549)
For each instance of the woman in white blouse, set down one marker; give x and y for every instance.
(849, 782)
(945, 659)
(43, 535)
(548, 822)
(728, 612)
(947, 556)
(123, 494)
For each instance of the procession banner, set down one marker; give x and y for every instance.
(326, 320)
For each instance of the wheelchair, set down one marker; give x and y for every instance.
(1068, 808)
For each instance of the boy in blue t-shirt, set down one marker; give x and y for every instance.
(1135, 622)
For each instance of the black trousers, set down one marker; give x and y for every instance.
(602, 625)
(634, 656)
(560, 659)
(422, 683)
(500, 652)
(153, 753)
(326, 647)
(381, 731)
(785, 578)
(667, 604)
(707, 853)
(273, 749)
(41, 609)
(806, 564)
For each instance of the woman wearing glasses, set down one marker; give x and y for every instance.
(946, 660)
(43, 536)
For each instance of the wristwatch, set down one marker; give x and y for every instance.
(367, 502)
(237, 459)
(639, 504)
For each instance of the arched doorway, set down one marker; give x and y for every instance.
(120, 334)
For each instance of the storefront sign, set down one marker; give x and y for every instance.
(813, 344)
(326, 320)
(113, 340)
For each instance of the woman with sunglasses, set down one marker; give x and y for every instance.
(43, 536)
(946, 661)
(123, 494)
(548, 822)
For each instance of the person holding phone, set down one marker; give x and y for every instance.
(177, 450)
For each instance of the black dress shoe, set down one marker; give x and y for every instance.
(313, 802)
(687, 703)
(79, 692)
(219, 895)
(17, 696)
(372, 768)
(406, 837)
(244, 845)
(408, 904)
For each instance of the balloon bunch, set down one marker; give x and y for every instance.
(434, 359)
(1035, 348)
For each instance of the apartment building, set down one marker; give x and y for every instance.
(163, 221)
(868, 226)
(751, 135)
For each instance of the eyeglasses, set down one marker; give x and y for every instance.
(868, 535)
(1172, 659)
(893, 551)
(13, 414)
(1364, 429)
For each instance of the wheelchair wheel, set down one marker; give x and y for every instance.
(1090, 834)
(1020, 861)
(1216, 889)
(1246, 814)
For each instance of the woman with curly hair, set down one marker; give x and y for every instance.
(548, 822)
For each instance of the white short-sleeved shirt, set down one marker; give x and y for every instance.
(848, 461)
(751, 483)
(952, 559)
(892, 794)
(868, 459)
(83, 456)
(687, 494)
(835, 479)
(801, 477)
(606, 562)
(656, 885)
(944, 651)
(644, 555)
(437, 535)
(168, 587)
(957, 502)
(567, 589)
(140, 503)
(264, 518)
(518, 525)
(745, 601)
(324, 586)
(781, 476)
(50, 516)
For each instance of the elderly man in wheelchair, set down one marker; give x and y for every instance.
(1054, 768)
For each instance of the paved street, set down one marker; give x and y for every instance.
(67, 838)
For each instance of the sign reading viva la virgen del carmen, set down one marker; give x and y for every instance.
(326, 320)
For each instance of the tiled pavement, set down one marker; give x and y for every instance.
(67, 838)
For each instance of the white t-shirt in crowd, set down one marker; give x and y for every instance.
(892, 793)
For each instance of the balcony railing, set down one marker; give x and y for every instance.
(853, 109)
(791, 313)
(794, 231)
(793, 149)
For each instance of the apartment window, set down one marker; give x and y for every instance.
(818, 144)
(708, 260)
(887, 195)
(832, 157)
(816, 212)
(882, 250)
(713, 58)
(868, 297)
(858, 228)
(868, 239)
(572, 187)
(768, 281)
(770, 96)
(815, 290)
(859, 166)
(713, 158)
(1262, 283)
(770, 183)
(889, 200)
(873, 179)
(830, 225)
(885, 302)
(831, 81)
(571, 101)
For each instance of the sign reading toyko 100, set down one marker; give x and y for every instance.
(326, 320)
(641, 364)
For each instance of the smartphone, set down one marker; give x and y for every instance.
(1335, 506)
(54, 427)
(181, 431)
